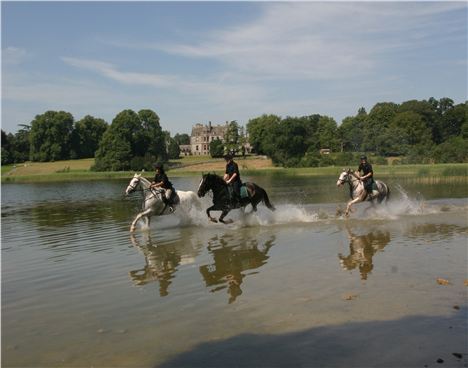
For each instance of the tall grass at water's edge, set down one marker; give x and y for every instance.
(424, 172)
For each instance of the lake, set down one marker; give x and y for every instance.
(300, 287)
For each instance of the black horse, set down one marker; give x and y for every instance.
(224, 201)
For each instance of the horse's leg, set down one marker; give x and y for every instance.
(208, 210)
(138, 217)
(223, 215)
(350, 203)
(133, 225)
(254, 203)
(148, 221)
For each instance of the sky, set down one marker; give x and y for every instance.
(195, 62)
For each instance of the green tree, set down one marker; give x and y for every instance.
(351, 131)
(149, 136)
(20, 144)
(6, 148)
(173, 149)
(50, 136)
(452, 121)
(86, 136)
(131, 140)
(288, 141)
(216, 148)
(328, 133)
(376, 122)
(231, 138)
(429, 112)
(258, 130)
(406, 130)
(454, 149)
(182, 139)
(114, 153)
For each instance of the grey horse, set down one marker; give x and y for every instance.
(357, 191)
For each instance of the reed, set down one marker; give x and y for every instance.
(76, 170)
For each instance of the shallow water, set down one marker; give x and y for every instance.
(297, 287)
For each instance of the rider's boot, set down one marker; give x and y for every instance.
(168, 203)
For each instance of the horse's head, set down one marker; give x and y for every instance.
(209, 182)
(344, 177)
(204, 186)
(133, 184)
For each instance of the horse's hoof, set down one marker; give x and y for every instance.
(213, 220)
(226, 222)
(132, 229)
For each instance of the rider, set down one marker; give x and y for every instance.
(368, 174)
(232, 176)
(161, 181)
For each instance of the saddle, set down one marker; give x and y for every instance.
(247, 190)
(244, 193)
(174, 198)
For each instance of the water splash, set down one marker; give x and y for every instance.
(398, 206)
(401, 204)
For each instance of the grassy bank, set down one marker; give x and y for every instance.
(76, 170)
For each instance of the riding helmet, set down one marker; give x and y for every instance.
(363, 157)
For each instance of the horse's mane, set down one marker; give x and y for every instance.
(352, 173)
(144, 181)
(217, 178)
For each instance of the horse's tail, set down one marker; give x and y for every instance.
(266, 200)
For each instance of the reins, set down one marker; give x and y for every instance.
(154, 192)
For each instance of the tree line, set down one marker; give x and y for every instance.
(428, 131)
(134, 140)
(417, 131)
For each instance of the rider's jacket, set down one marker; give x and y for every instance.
(232, 168)
(163, 178)
(366, 169)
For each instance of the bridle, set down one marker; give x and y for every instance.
(154, 191)
(346, 178)
(133, 187)
(202, 187)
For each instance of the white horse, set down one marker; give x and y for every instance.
(357, 191)
(153, 204)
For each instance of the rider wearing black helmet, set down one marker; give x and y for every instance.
(161, 181)
(368, 174)
(232, 176)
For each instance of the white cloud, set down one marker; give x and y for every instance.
(13, 55)
(215, 88)
(319, 40)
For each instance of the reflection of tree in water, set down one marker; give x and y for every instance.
(60, 214)
(362, 249)
(443, 231)
(231, 260)
(161, 262)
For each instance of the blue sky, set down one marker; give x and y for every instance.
(196, 62)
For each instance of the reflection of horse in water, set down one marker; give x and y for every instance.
(357, 191)
(362, 249)
(230, 262)
(153, 203)
(161, 262)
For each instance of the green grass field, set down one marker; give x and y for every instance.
(74, 170)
